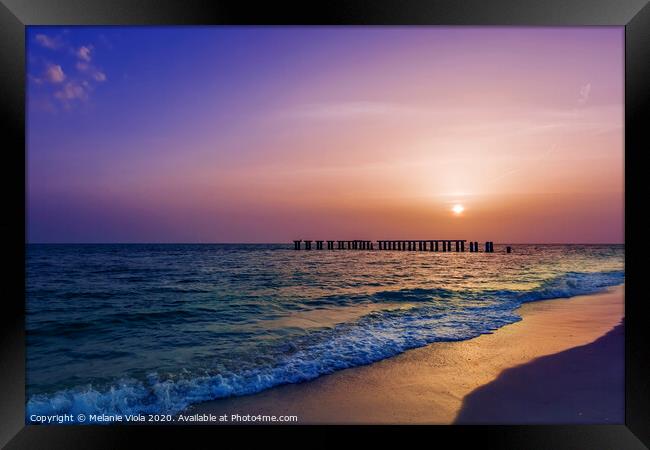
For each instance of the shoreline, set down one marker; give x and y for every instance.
(543, 391)
(428, 385)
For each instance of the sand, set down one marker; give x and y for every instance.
(429, 385)
(581, 385)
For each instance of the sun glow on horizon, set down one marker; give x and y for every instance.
(330, 131)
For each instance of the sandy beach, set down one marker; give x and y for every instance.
(558, 361)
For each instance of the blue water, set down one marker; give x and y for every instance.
(155, 328)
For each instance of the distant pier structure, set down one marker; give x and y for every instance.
(427, 245)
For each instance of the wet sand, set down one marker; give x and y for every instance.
(584, 384)
(428, 385)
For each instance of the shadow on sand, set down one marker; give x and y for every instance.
(581, 385)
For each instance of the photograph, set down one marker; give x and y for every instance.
(324, 225)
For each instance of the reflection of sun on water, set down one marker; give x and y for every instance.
(458, 209)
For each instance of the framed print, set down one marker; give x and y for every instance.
(358, 218)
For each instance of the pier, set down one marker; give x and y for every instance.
(425, 245)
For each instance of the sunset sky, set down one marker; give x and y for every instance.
(268, 134)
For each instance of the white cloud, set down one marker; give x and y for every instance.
(48, 42)
(84, 53)
(584, 93)
(71, 91)
(54, 73)
(35, 79)
(99, 76)
(91, 71)
(67, 90)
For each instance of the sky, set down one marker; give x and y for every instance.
(269, 134)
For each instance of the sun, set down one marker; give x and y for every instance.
(458, 209)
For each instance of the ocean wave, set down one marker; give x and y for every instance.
(378, 335)
(569, 284)
(574, 283)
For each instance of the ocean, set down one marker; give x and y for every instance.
(133, 328)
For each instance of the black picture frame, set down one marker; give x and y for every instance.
(15, 15)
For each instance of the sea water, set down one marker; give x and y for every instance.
(132, 329)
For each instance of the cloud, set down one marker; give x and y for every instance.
(43, 104)
(67, 89)
(72, 91)
(48, 42)
(99, 76)
(91, 71)
(84, 53)
(584, 93)
(34, 79)
(54, 73)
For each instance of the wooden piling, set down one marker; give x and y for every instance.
(406, 245)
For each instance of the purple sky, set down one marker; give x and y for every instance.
(266, 134)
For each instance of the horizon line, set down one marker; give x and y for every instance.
(290, 242)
